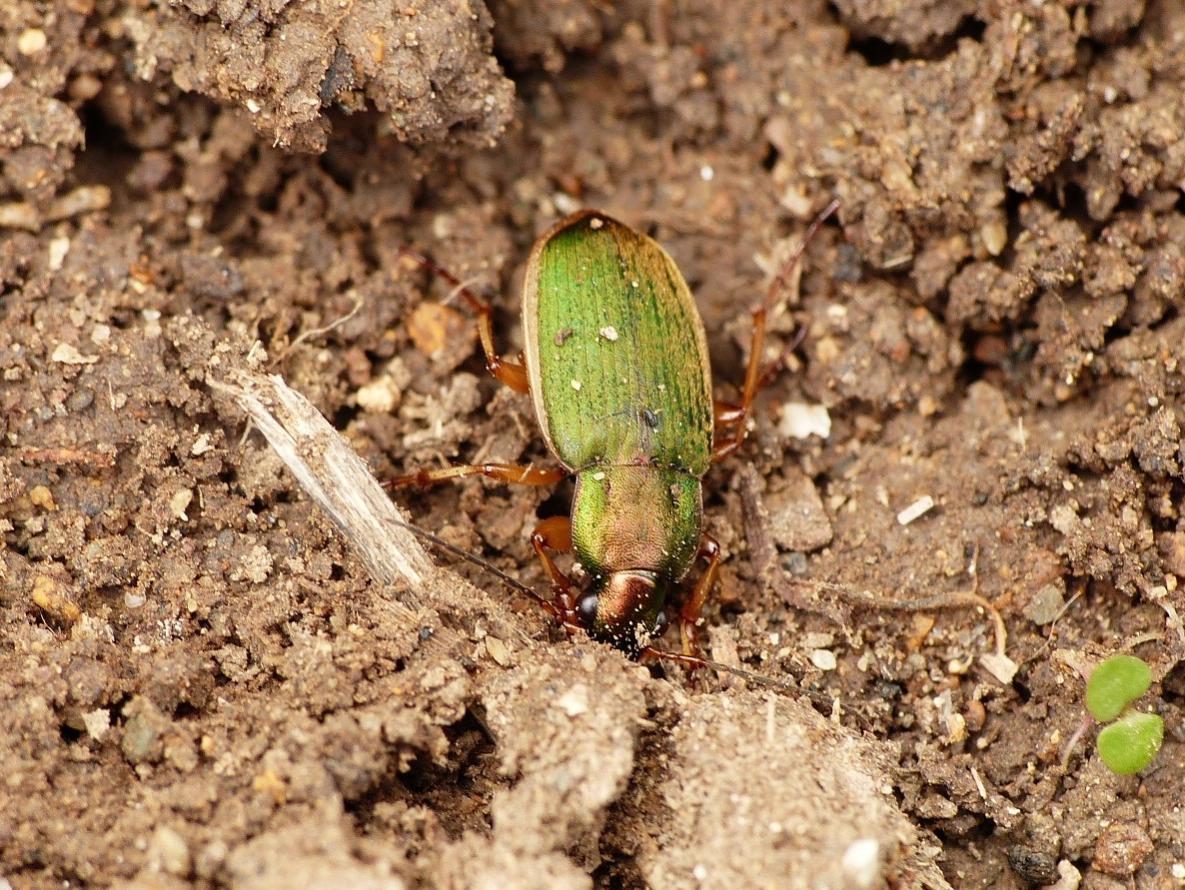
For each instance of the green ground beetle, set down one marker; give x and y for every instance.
(616, 363)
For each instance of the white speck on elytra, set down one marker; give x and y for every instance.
(599, 475)
(596, 222)
(576, 384)
(633, 284)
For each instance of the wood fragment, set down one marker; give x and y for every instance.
(331, 474)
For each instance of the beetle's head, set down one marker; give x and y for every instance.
(625, 609)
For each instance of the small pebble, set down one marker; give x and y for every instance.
(1045, 605)
(168, 852)
(31, 42)
(1068, 876)
(97, 723)
(1034, 866)
(66, 354)
(498, 651)
(1121, 849)
(180, 502)
(609, 332)
(81, 399)
(801, 421)
(975, 715)
(995, 237)
(916, 510)
(85, 87)
(58, 248)
(794, 562)
(574, 702)
(141, 737)
(48, 595)
(380, 396)
(862, 862)
(41, 496)
(999, 666)
(823, 659)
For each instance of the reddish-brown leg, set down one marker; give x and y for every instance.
(691, 662)
(689, 613)
(513, 374)
(756, 377)
(554, 535)
(502, 472)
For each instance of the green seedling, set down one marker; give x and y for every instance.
(1115, 684)
(1131, 742)
(616, 364)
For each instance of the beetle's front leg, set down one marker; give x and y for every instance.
(554, 535)
(689, 612)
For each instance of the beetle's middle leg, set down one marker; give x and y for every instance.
(527, 475)
(513, 374)
(689, 612)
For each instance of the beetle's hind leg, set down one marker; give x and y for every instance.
(513, 473)
(513, 374)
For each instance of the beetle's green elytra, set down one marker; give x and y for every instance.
(615, 350)
(616, 363)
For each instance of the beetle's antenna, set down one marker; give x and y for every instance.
(452, 549)
(512, 582)
(779, 281)
(694, 661)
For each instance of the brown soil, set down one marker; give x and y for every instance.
(202, 686)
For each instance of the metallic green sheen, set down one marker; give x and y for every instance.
(637, 518)
(616, 350)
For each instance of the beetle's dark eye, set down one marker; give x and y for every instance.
(587, 607)
(661, 623)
